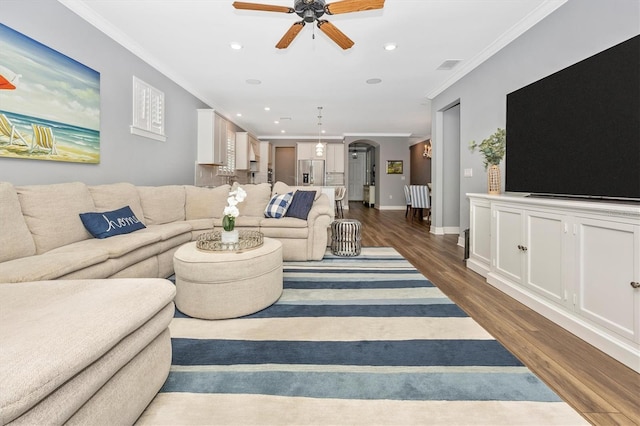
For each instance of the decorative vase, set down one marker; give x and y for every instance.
(229, 237)
(493, 176)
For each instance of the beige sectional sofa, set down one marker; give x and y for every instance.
(43, 238)
(84, 321)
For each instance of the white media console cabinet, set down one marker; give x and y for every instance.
(575, 262)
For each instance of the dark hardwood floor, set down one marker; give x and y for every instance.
(603, 390)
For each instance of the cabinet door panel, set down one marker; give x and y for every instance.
(480, 237)
(545, 254)
(608, 252)
(509, 258)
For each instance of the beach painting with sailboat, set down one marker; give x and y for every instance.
(49, 103)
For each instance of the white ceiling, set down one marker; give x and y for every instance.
(189, 41)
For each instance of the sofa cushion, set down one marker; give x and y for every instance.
(162, 204)
(52, 213)
(281, 188)
(58, 329)
(109, 224)
(278, 205)
(49, 266)
(116, 246)
(15, 239)
(258, 196)
(115, 195)
(301, 204)
(168, 230)
(204, 203)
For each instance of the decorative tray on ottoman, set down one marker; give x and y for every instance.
(212, 241)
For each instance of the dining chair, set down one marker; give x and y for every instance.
(407, 197)
(340, 193)
(420, 200)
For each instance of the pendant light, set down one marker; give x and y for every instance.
(319, 146)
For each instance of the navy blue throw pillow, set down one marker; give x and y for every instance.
(301, 204)
(108, 224)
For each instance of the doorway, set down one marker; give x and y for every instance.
(285, 165)
(357, 171)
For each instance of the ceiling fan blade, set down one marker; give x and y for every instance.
(346, 6)
(286, 39)
(335, 34)
(262, 7)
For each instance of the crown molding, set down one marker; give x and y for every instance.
(80, 8)
(535, 16)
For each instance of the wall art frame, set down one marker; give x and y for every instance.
(394, 167)
(49, 103)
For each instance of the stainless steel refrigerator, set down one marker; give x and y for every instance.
(311, 172)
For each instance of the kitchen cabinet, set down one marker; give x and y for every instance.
(335, 157)
(212, 138)
(247, 152)
(307, 151)
(575, 262)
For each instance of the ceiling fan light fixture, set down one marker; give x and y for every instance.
(235, 45)
(390, 46)
(311, 11)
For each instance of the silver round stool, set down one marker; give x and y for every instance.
(346, 237)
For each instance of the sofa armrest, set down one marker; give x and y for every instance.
(320, 207)
(319, 219)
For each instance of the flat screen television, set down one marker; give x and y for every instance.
(576, 133)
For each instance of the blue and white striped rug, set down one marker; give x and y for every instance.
(364, 340)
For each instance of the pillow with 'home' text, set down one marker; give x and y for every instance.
(278, 205)
(108, 224)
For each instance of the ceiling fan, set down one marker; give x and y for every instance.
(312, 10)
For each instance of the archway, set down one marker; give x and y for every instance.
(361, 170)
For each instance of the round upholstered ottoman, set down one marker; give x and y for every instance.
(217, 285)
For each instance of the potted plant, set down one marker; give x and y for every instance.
(493, 150)
(230, 235)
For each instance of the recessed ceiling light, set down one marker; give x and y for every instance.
(323, 131)
(235, 45)
(253, 81)
(390, 46)
(238, 115)
(276, 122)
(267, 109)
(282, 131)
(374, 81)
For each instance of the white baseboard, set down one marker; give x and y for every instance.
(442, 230)
(392, 207)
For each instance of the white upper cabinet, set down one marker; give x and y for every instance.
(247, 152)
(212, 138)
(335, 157)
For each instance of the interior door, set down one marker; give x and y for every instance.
(356, 176)
(285, 165)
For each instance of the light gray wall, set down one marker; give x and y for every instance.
(576, 31)
(123, 157)
(451, 175)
